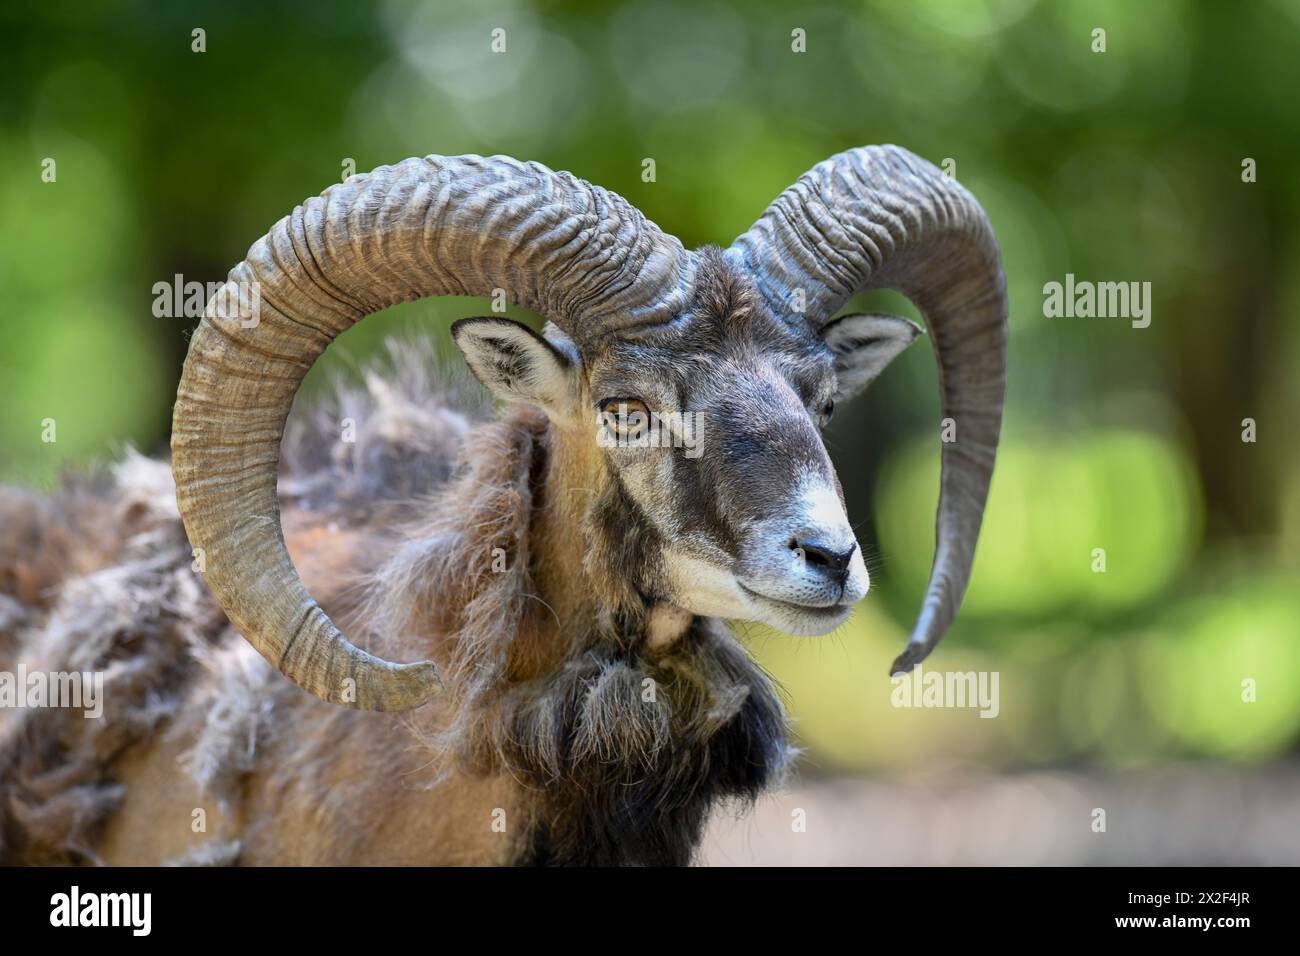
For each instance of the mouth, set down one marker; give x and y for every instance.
(796, 618)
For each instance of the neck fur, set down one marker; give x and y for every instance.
(629, 720)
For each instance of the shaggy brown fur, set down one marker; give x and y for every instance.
(626, 749)
(600, 748)
(131, 608)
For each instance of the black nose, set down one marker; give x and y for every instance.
(834, 564)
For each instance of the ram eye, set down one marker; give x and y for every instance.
(827, 411)
(628, 418)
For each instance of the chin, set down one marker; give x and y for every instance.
(797, 619)
(711, 591)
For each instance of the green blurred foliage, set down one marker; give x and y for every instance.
(1121, 166)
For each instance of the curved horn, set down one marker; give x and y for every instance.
(465, 225)
(880, 217)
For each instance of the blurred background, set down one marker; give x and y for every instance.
(1120, 689)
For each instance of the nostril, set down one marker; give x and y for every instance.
(818, 555)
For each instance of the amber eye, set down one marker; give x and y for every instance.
(628, 418)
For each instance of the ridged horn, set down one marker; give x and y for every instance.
(880, 217)
(465, 225)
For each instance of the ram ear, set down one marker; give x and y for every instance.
(863, 345)
(516, 364)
